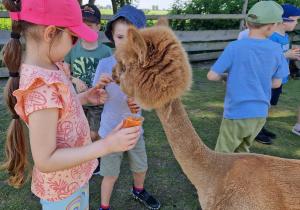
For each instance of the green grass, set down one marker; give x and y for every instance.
(165, 179)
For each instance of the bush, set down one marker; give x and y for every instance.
(212, 7)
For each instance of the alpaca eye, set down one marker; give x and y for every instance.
(123, 68)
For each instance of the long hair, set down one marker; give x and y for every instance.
(16, 143)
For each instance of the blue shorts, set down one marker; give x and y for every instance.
(77, 201)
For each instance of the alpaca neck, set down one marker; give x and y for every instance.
(188, 149)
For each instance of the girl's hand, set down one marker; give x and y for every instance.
(122, 139)
(80, 85)
(104, 80)
(96, 95)
(133, 106)
(293, 53)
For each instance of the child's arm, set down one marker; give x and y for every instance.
(48, 158)
(104, 80)
(276, 83)
(95, 95)
(292, 53)
(213, 76)
(80, 85)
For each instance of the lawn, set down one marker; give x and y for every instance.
(165, 179)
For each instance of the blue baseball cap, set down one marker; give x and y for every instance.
(136, 16)
(288, 11)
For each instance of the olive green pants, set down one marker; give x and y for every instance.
(238, 135)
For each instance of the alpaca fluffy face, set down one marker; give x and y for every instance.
(152, 66)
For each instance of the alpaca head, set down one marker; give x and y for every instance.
(152, 66)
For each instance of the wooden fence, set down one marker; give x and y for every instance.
(200, 45)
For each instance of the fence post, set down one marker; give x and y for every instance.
(243, 12)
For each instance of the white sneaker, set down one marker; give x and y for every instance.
(296, 129)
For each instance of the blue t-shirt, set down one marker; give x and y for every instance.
(116, 103)
(285, 45)
(251, 65)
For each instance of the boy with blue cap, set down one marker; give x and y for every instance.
(290, 18)
(114, 107)
(255, 65)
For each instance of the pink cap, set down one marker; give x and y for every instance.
(61, 13)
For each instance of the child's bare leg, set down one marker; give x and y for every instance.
(299, 116)
(296, 128)
(106, 189)
(139, 178)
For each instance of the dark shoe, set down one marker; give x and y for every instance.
(100, 208)
(262, 138)
(146, 198)
(97, 170)
(268, 133)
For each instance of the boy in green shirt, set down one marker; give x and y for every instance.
(83, 60)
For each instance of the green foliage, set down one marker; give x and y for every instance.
(206, 7)
(212, 7)
(121, 3)
(5, 23)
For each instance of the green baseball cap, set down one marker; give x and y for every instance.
(266, 12)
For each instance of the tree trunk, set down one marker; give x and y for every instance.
(114, 6)
(122, 3)
(91, 1)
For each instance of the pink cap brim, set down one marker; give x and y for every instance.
(84, 32)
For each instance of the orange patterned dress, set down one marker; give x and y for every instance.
(43, 88)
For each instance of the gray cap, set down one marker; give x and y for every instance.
(266, 12)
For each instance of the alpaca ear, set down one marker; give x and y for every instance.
(162, 22)
(138, 44)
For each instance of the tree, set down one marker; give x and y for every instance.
(117, 4)
(212, 7)
(154, 7)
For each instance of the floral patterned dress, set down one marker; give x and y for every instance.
(43, 88)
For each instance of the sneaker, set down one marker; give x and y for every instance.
(146, 198)
(262, 138)
(268, 133)
(97, 170)
(100, 208)
(296, 129)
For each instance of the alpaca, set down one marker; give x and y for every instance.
(153, 68)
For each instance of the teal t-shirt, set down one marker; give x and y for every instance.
(84, 62)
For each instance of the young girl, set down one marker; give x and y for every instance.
(44, 98)
(114, 107)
